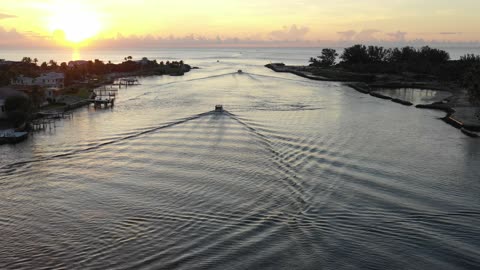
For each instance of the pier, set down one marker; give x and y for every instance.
(47, 120)
(42, 124)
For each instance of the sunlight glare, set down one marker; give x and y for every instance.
(76, 21)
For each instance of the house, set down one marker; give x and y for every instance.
(51, 79)
(77, 63)
(6, 92)
(143, 62)
(52, 93)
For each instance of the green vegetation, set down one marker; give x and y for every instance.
(423, 64)
(472, 82)
(83, 93)
(90, 69)
(18, 109)
(327, 58)
(360, 54)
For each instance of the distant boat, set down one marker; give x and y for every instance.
(11, 136)
(240, 71)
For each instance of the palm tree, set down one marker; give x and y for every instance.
(53, 64)
(27, 60)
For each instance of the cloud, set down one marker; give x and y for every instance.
(398, 36)
(364, 35)
(347, 35)
(367, 35)
(450, 33)
(290, 34)
(14, 39)
(10, 37)
(6, 16)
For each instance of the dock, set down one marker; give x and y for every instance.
(126, 82)
(43, 124)
(104, 96)
(47, 120)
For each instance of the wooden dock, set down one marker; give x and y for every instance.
(104, 96)
(97, 102)
(126, 82)
(43, 124)
(47, 120)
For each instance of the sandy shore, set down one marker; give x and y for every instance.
(460, 112)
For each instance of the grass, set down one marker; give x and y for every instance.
(81, 92)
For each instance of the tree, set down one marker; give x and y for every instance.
(314, 62)
(328, 57)
(377, 54)
(53, 64)
(35, 60)
(63, 66)
(356, 54)
(44, 66)
(470, 59)
(27, 60)
(472, 82)
(18, 108)
(430, 55)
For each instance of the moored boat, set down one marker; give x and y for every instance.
(12, 136)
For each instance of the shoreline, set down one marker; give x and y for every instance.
(74, 101)
(109, 80)
(459, 112)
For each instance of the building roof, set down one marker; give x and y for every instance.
(77, 63)
(53, 75)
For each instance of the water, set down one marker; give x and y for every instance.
(416, 96)
(297, 174)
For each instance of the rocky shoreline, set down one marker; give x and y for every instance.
(460, 112)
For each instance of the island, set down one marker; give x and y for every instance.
(370, 69)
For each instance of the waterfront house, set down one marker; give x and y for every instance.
(77, 63)
(144, 61)
(52, 93)
(51, 79)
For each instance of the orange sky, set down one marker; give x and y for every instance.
(101, 22)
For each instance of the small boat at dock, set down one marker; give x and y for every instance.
(12, 136)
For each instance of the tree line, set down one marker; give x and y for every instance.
(31, 68)
(425, 62)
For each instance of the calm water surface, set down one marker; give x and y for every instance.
(297, 174)
(416, 96)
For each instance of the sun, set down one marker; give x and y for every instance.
(75, 21)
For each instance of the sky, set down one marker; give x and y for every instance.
(126, 23)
